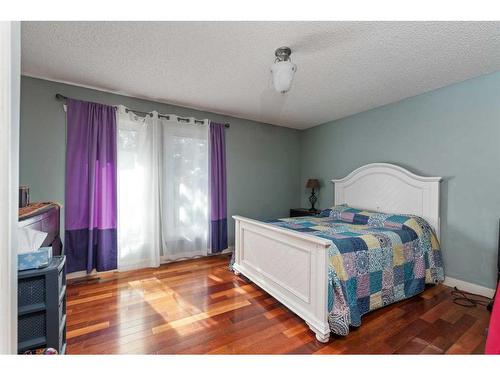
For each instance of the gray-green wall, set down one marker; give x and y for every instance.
(453, 132)
(262, 160)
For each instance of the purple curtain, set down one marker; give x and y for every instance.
(90, 218)
(218, 191)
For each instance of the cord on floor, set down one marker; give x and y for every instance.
(466, 299)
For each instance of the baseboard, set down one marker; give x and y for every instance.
(76, 275)
(80, 274)
(469, 287)
(229, 250)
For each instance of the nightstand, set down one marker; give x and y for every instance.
(295, 212)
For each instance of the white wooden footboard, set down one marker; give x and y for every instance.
(290, 266)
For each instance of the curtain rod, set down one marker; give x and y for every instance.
(64, 98)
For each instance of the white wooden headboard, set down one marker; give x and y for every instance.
(389, 188)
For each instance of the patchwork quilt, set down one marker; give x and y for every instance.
(375, 259)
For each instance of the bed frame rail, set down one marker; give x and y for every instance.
(291, 266)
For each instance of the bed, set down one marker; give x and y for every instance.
(377, 245)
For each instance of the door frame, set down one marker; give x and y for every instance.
(10, 66)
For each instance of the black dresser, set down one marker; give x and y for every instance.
(42, 307)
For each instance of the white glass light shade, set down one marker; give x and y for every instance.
(283, 72)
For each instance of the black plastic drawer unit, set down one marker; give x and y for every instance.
(42, 307)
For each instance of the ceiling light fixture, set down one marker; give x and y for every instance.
(283, 70)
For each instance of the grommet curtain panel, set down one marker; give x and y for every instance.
(139, 234)
(162, 189)
(91, 174)
(184, 188)
(141, 189)
(218, 188)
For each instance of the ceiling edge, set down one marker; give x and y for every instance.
(154, 100)
(405, 98)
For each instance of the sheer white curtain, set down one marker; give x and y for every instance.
(139, 237)
(184, 188)
(162, 189)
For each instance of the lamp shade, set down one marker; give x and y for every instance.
(312, 183)
(283, 72)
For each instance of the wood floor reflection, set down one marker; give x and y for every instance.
(198, 306)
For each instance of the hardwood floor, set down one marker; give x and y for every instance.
(199, 306)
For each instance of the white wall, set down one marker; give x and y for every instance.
(9, 171)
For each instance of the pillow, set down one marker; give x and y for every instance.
(364, 217)
(381, 220)
(325, 213)
(334, 212)
(349, 215)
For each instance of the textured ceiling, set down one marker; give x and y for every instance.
(343, 67)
